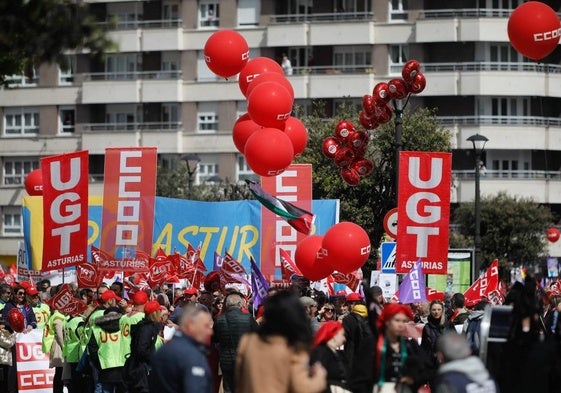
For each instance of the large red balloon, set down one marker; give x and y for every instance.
(269, 105)
(270, 76)
(347, 246)
(296, 131)
(269, 152)
(553, 234)
(34, 182)
(226, 53)
(309, 260)
(255, 67)
(243, 129)
(16, 320)
(534, 29)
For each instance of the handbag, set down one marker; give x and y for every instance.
(5, 357)
(7, 339)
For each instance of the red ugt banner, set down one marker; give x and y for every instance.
(129, 192)
(65, 210)
(423, 211)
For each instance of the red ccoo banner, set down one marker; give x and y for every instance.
(423, 211)
(65, 210)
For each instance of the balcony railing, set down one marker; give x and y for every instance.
(142, 24)
(465, 13)
(507, 175)
(327, 17)
(489, 66)
(500, 120)
(133, 75)
(93, 127)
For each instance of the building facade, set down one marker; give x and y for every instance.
(156, 90)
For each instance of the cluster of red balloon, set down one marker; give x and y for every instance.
(376, 108)
(553, 234)
(267, 134)
(347, 149)
(345, 247)
(534, 29)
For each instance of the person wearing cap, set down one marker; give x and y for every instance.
(327, 342)
(359, 347)
(135, 315)
(189, 296)
(41, 309)
(311, 310)
(399, 361)
(181, 365)
(145, 340)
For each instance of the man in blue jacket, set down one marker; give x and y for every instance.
(181, 365)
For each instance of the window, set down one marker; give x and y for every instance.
(399, 54)
(122, 66)
(207, 117)
(170, 116)
(504, 110)
(170, 10)
(205, 171)
(351, 58)
(66, 75)
(248, 12)
(22, 121)
(22, 80)
(12, 221)
(66, 120)
(121, 117)
(244, 171)
(399, 9)
(209, 13)
(15, 170)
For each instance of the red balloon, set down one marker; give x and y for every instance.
(269, 105)
(350, 176)
(368, 104)
(226, 53)
(243, 129)
(383, 114)
(363, 166)
(409, 70)
(418, 84)
(533, 30)
(269, 152)
(398, 89)
(16, 320)
(270, 76)
(330, 146)
(298, 134)
(343, 157)
(381, 92)
(359, 139)
(346, 246)
(553, 234)
(309, 261)
(343, 129)
(253, 68)
(34, 182)
(367, 121)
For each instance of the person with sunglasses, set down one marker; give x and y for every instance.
(327, 313)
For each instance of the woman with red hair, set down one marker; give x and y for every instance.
(328, 339)
(399, 360)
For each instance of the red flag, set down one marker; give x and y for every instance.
(349, 279)
(194, 255)
(159, 268)
(433, 294)
(330, 287)
(65, 301)
(232, 271)
(288, 267)
(483, 285)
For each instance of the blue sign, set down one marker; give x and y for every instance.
(388, 257)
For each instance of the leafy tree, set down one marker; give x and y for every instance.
(37, 31)
(512, 229)
(368, 203)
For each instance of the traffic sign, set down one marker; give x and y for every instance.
(388, 257)
(390, 223)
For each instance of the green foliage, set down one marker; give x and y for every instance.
(37, 31)
(512, 229)
(368, 203)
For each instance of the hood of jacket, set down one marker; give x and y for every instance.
(471, 366)
(109, 321)
(361, 310)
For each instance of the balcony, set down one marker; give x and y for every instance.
(146, 35)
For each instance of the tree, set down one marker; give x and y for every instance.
(512, 229)
(368, 203)
(33, 32)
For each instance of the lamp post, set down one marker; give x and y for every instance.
(192, 160)
(478, 142)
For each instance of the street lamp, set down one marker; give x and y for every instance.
(192, 160)
(478, 142)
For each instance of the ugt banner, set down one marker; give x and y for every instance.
(65, 209)
(129, 191)
(423, 211)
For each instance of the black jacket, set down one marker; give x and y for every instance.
(431, 331)
(359, 353)
(228, 329)
(333, 363)
(143, 345)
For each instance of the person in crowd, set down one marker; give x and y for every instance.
(421, 312)
(145, 340)
(459, 370)
(342, 308)
(189, 296)
(472, 326)
(5, 294)
(276, 357)
(41, 309)
(327, 313)
(128, 320)
(181, 365)
(104, 345)
(359, 347)
(119, 289)
(311, 307)
(551, 316)
(73, 380)
(400, 363)
(459, 311)
(56, 328)
(228, 330)
(17, 301)
(7, 341)
(436, 325)
(327, 342)
(286, 65)
(86, 295)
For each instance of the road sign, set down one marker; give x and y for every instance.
(388, 257)
(390, 223)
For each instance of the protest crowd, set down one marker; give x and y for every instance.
(218, 338)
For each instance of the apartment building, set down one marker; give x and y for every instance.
(157, 91)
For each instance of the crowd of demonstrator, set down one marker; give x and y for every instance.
(166, 339)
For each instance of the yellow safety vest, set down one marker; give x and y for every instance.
(109, 352)
(71, 350)
(49, 332)
(125, 324)
(42, 314)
